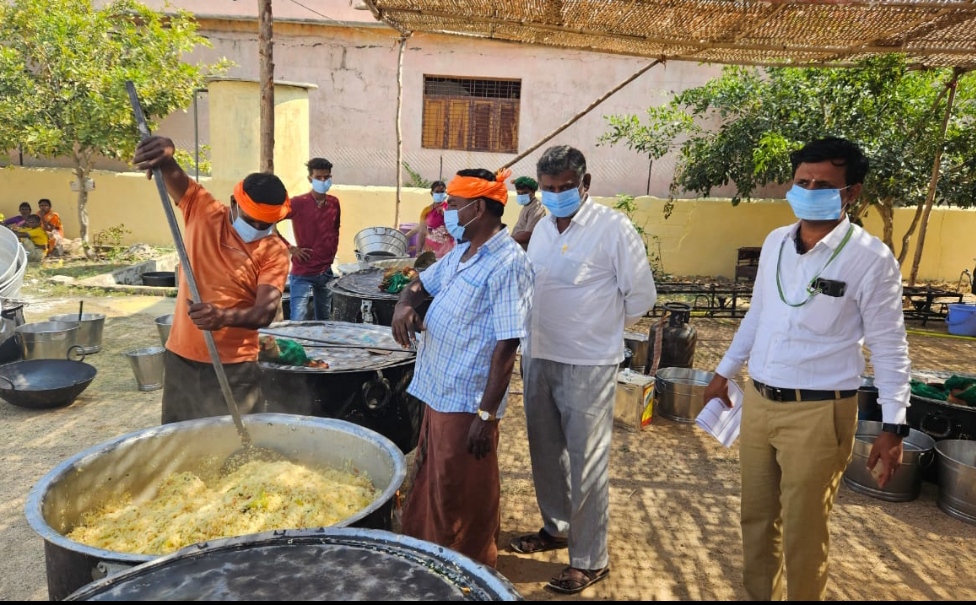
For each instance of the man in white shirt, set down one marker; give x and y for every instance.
(592, 279)
(824, 288)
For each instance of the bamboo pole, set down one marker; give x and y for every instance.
(266, 58)
(399, 132)
(589, 108)
(934, 181)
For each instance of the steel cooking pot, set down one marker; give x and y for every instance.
(335, 564)
(368, 388)
(136, 462)
(679, 393)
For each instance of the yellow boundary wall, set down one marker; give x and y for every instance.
(700, 238)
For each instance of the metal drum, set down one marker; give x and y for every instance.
(343, 564)
(679, 393)
(135, 464)
(357, 298)
(957, 478)
(363, 386)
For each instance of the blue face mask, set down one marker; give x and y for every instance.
(440, 198)
(451, 223)
(523, 199)
(321, 186)
(247, 232)
(815, 204)
(563, 204)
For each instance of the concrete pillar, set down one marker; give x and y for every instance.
(235, 118)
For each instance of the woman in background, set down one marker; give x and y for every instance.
(431, 233)
(18, 221)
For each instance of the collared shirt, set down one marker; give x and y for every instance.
(476, 304)
(529, 215)
(592, 280)
(315, 227)
(819, 345)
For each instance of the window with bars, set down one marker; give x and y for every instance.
(471, 115)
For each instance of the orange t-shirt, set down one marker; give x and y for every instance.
(228, 272)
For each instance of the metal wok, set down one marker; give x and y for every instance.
(45, 383)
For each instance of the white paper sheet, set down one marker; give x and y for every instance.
(722, 422)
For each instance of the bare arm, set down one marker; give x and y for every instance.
(208, 316)
(157, 152)
(499, 375)
(406, 321)
(522, 238)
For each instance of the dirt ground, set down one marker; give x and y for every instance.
(674, 496)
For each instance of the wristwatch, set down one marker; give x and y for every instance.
(486, 416)
(902, 430)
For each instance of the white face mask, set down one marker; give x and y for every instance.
(247, 232)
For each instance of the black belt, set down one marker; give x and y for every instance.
(775, 394)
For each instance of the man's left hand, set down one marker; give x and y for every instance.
(479, 438)
(208, 316)
(887, 448)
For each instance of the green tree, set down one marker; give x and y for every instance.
(739, 128)
(63, 67)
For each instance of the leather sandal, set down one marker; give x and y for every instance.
(540, 541)
(573, 580)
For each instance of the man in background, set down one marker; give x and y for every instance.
(240, 270)
(531, 210)
(315, 223)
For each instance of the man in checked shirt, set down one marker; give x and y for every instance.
(467, 342)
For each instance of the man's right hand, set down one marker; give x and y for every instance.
(406, 323)
(153, 153)
(302, 254)
(718, 388)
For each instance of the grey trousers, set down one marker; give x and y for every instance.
(569, 416)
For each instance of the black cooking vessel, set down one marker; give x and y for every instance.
(373, 398)
(940, 419)
(159, 279)
(357, 298)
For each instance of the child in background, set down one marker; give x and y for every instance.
(33, 237)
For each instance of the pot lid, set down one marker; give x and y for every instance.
(297, 565)
(365, 283)
(354, 352)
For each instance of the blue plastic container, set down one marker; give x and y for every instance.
(961, 319)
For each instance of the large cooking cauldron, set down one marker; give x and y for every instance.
(939, 419)
(357, 298)
(136, 462)
(368, 388)
(344, 564)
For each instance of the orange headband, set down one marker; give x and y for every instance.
(266, 213)
(470, 187)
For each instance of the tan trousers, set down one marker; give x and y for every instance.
(792, 456)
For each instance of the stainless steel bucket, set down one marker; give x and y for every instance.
(378, 242)
(906, 483)
(957, 478)
(164, 323)
(147, 365)
(679, 393)
(90, 333)
(48, 339)
(135, 463)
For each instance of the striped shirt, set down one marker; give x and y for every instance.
(476, 304)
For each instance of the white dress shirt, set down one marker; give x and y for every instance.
(819, 345)
(591, 281)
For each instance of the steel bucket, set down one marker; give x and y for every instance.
(957, 478)
(90, 333)
(164, 323)
(906, 484)
(136, 462)
(679, 393)
(147, 365)
(334, 564)
(48, 339)
(374, 243)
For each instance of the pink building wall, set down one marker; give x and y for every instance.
(353, 61)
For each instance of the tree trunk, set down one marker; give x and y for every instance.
(82, 170)
(887, 213)
(907, 237)
(934, 181)
(266, 58)
(399, 132)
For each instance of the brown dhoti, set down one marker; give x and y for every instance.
(454, 498)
